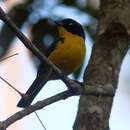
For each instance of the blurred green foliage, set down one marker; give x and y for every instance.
(38, 15)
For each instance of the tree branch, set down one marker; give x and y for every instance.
(61, 96)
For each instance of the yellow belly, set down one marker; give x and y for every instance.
(69, 56)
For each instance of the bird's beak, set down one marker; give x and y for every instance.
(58, 23)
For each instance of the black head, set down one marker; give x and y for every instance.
(72, 26)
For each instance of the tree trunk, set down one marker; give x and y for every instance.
(110, 47)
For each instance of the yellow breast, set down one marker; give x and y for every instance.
(69, 56)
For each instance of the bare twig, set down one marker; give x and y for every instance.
(12, 86)
(41, 104)
(5, 58)
(43, 126)
(89, 90)
(22, 95)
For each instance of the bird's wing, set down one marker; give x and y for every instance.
(54, 44)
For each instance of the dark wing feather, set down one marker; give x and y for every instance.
(53, 45)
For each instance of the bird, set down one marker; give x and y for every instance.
(67, 53)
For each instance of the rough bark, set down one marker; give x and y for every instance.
(112, 43)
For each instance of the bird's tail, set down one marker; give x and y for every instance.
(32, 92)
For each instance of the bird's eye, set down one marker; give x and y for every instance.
(70, 24)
